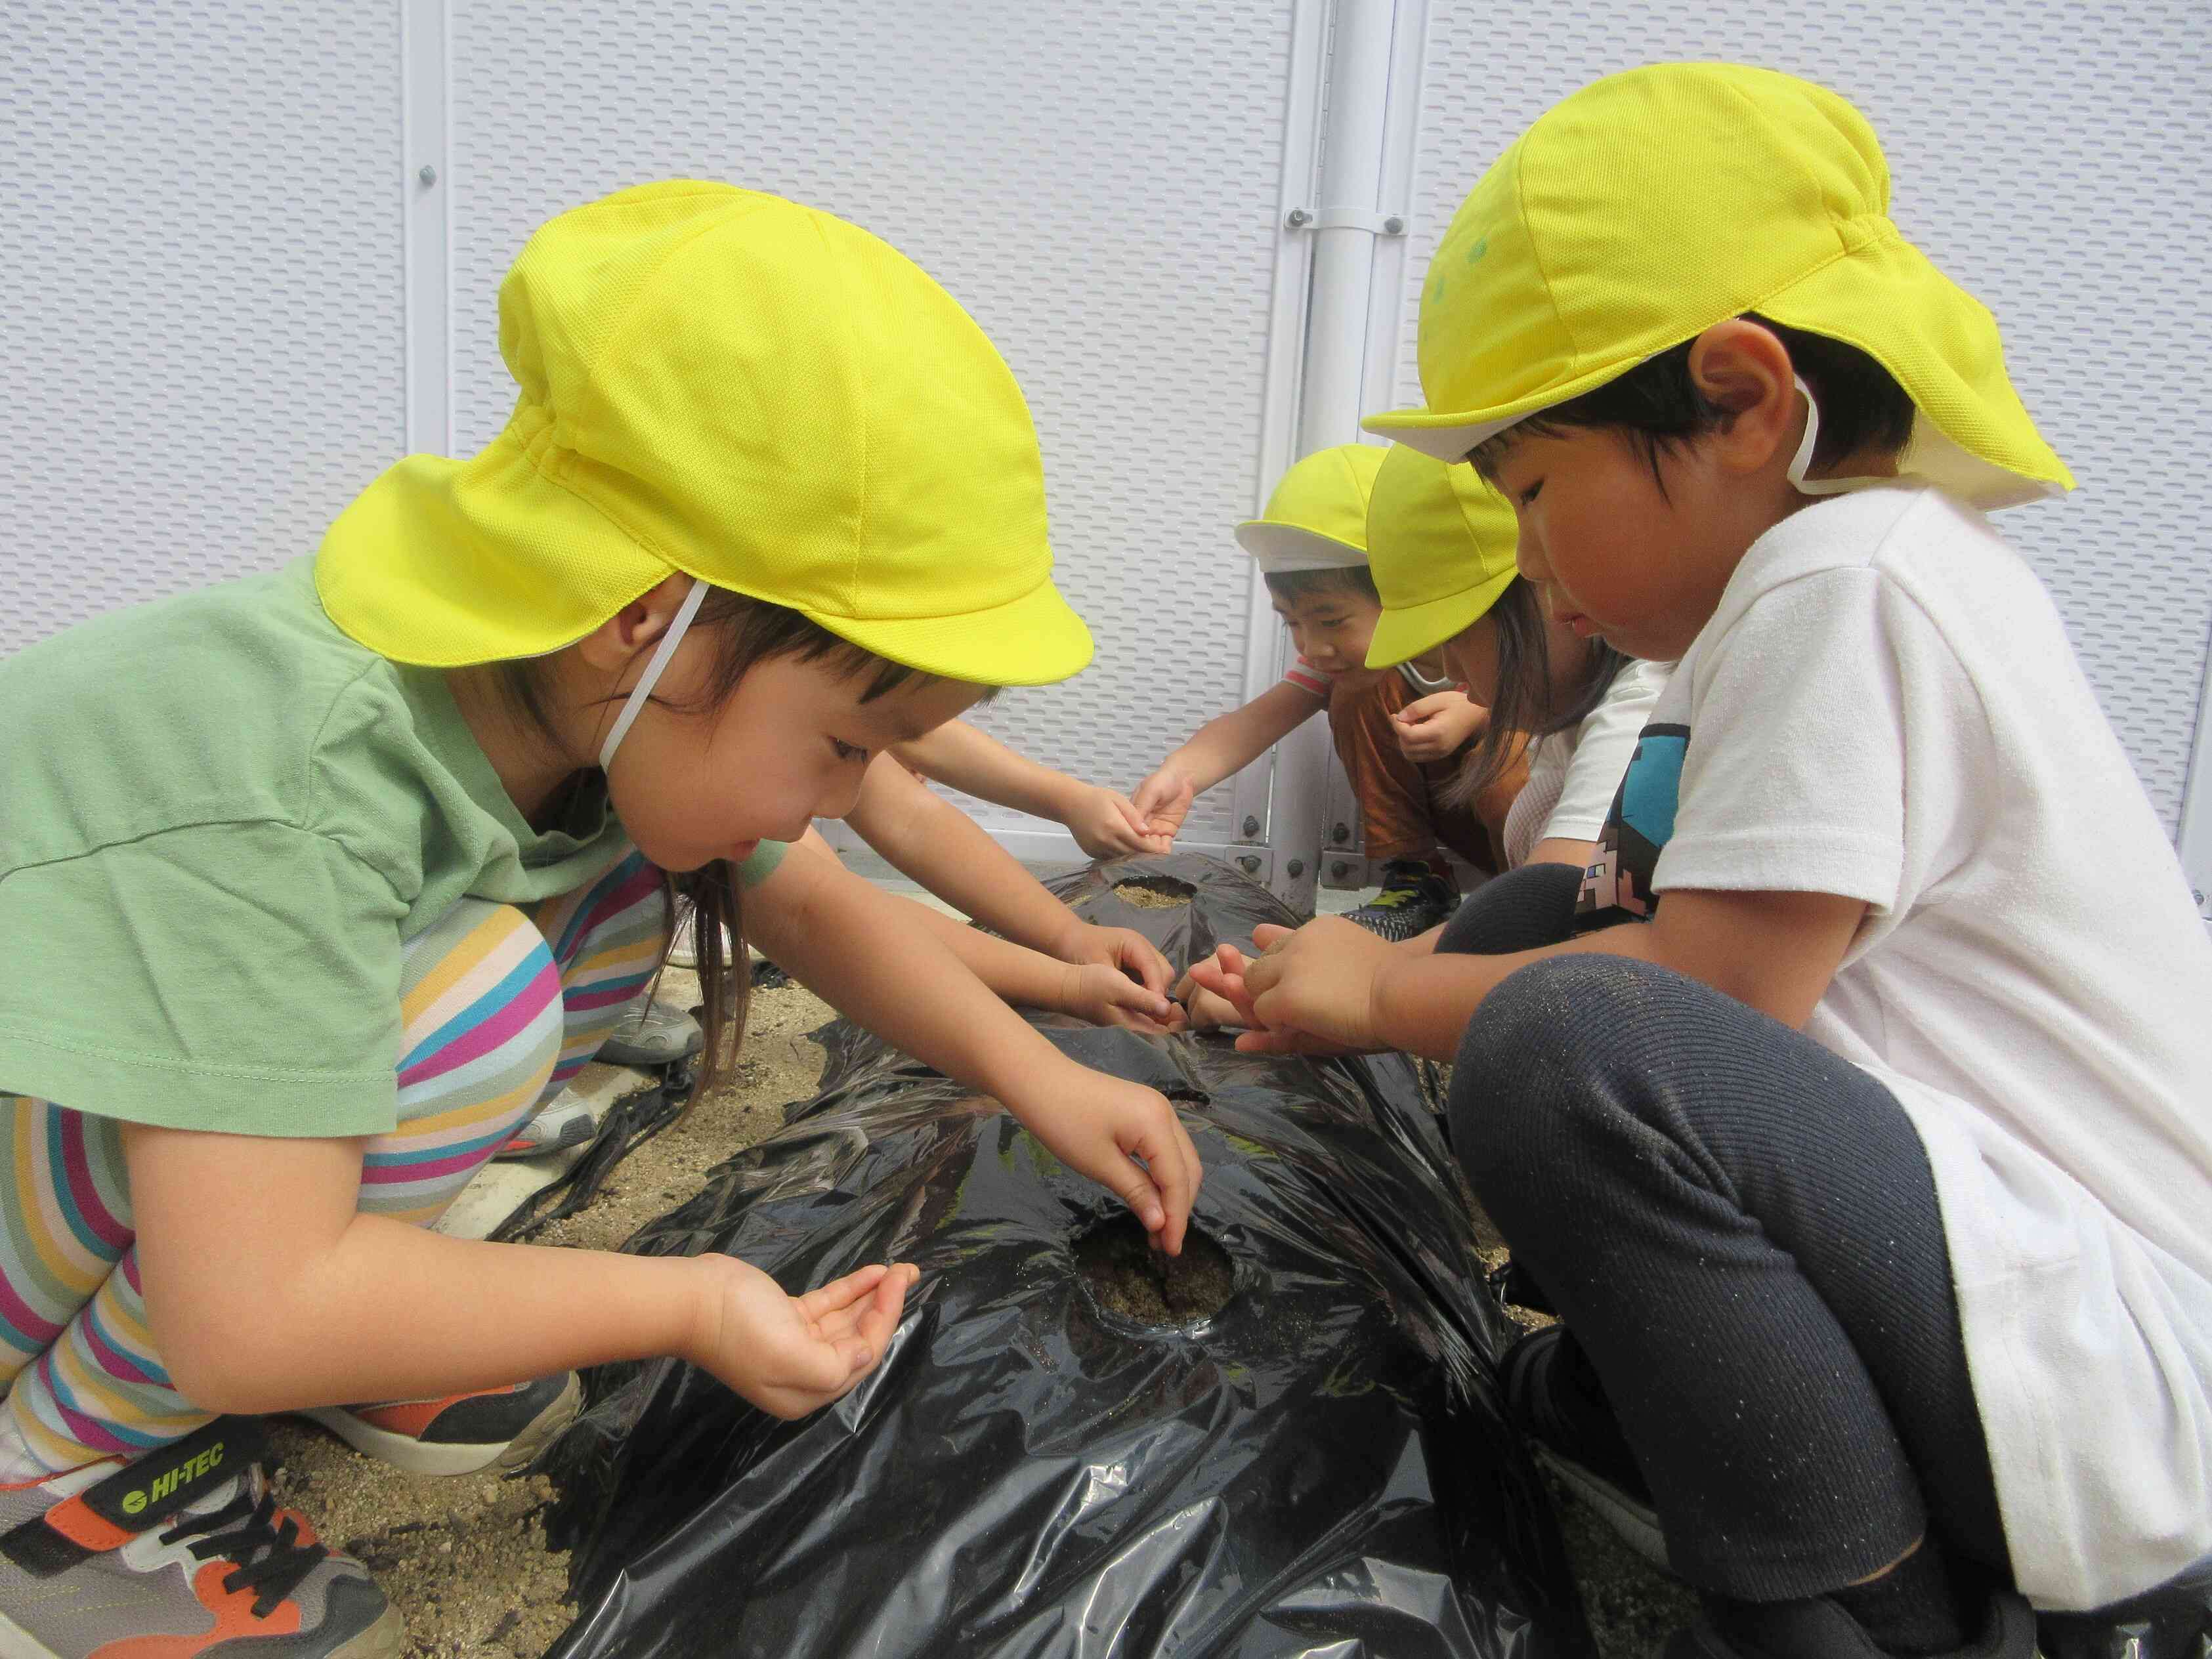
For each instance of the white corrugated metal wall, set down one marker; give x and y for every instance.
(238, 293)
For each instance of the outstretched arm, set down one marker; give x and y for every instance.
(1330, 986)
(1102, 821)
(868, 956)
(1096, 991)
(1227, 743)
(929, 840)
(268, 1290)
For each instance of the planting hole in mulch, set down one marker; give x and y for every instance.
(1125, 1275)
(1154, 892)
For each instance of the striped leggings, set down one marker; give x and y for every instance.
(500, 1008)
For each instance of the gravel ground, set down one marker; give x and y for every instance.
(467, 1559)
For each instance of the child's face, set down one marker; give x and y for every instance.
(1614, 554)
(1471, 657)
(1332, 627)
(1611, 554)
(789, 746)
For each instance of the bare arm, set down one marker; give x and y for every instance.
(1553, 850)
(866, 954)
(268, 1291)
(1102, 821)
(1029, 979)
(1226, 744)
(932, 842)
(1330, 986)
(1773, 951)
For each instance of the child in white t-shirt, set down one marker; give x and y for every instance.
(1867, 1162)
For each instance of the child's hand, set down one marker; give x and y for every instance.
(1100, 1126)
(791, 1355)
(1104, 995)
(1311, 991)
(1104, 823)
(1433, 728)
(1207, 1010)
(1165, 799)
(1118, 947)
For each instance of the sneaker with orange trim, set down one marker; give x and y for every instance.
(180, 1553)
(460, 1433)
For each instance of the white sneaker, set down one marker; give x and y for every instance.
(683, 950)
(564, 1122)
(659, 1034)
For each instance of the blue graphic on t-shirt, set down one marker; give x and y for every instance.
(1653, 785)
(1637, 828)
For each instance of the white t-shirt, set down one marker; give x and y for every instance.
(1573, 776)
(1885, 707)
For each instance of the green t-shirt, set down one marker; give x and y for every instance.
(219, 817)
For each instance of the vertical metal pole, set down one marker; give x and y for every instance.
(1253, 797)
(1333, 397)
(426, 225)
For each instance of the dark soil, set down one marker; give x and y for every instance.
(1131, 1278)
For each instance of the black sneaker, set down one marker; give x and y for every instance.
(1554, 1398)
(1817, 1628)
(1414, 898)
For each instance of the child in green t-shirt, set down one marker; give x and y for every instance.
(316, 883)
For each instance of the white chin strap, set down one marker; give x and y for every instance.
(1803, 458)
(653, 666)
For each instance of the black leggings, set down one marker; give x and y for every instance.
(1741, 1232)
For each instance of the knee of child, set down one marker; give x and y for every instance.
(216, 1373)
(1540, 1037)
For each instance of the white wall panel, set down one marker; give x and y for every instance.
(2052, 160)
(1096, 183)
(201, 317)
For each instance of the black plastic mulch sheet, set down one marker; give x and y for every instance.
(1319, 1469)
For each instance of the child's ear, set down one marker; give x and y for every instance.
(636, 626)
(1746, 370)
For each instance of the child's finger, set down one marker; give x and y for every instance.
(820, 1304)
(1127, 992)
(1133, 954)
(1129, 1183)
(1171, 1159)
(1267, 936)
(879, 1314)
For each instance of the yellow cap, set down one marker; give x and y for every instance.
(1440, 543)
(1640, 211)
(729, 385)
(1317, 519)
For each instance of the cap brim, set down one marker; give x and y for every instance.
(1035, 640)
(1407, 632)
(1446, 437)
(415, 569)
(1285, 547)
(1972, 434)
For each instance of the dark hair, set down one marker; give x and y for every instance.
(1291, 586)
(1656, 406)
(746, 632)
(1525, 703)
